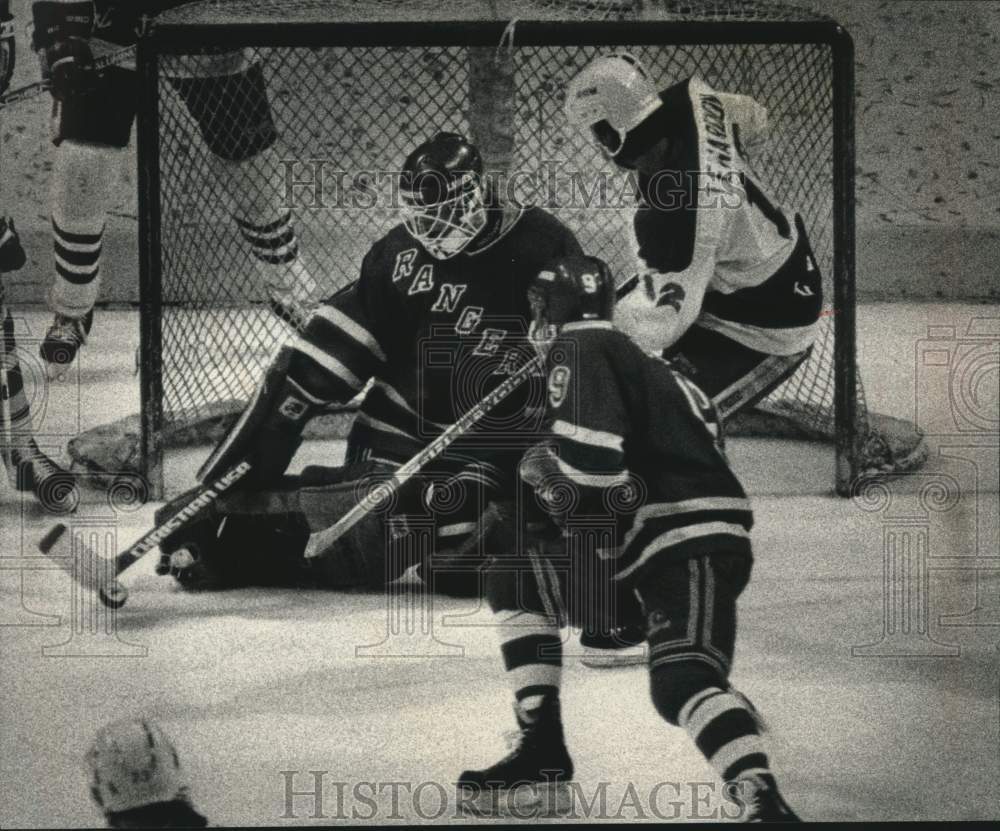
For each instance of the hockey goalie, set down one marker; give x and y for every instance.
(437, 320)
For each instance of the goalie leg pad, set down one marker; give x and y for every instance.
(232, 112)
(269, 431)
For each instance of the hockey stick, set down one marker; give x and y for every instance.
(380, 494)
(100, 573)
(627, 287)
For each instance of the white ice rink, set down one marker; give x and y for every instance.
(868, 639)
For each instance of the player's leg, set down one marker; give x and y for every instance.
(745, 344)
(91, 130)
(733, 375)
(28, 468)
(690, 610)
(229, 102)
(526, 594)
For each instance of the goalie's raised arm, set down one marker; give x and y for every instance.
(328, 363)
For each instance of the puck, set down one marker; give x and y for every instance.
(114, 596)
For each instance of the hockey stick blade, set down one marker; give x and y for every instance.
(90, 571)
(381, 494)
(100, 573)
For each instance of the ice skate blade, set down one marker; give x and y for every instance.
(631, 656)
(527, 800)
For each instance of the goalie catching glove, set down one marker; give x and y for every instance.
(259, 537)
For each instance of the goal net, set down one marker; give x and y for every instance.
(353, 87)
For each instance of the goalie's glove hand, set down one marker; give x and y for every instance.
(187, 540)
(69, 67)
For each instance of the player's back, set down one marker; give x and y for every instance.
(689, 499)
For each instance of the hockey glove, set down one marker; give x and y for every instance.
(69, 67)
(227, 552)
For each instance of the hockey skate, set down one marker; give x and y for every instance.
(530, 781)
(29, 469)
(623, 646)
(63, 340)
(760, 800)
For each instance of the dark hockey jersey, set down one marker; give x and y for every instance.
(640, 445)
(713, 238)
(436, 335)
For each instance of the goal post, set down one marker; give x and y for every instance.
(353, 87)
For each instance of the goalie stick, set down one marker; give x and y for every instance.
(321, 541)
(101, 574)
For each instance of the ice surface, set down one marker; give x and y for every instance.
(873, 715)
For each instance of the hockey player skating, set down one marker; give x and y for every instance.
(92, 118)
(438, 318)
(731, 293)
(644, 460)
(136, 778)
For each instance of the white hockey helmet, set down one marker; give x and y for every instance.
(133, 764)
(611, 95)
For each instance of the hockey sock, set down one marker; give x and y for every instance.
(532, 655)
(724, 728)
(267, 225)
(83, 180)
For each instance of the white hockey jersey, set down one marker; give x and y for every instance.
(717, 249)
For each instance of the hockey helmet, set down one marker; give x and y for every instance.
(133, 764)
(572, 288)
(444, 206)
(611, 95)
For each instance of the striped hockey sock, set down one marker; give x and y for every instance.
(273, 243)
(725, 729)
(77, 253)
(532, 655)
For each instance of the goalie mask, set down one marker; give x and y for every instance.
(570, 289)
(444, 206)
(612, 95)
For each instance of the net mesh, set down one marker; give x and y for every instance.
(346, 118)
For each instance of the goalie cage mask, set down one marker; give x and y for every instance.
(611, 95)
(133, 764)
(443, 201)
